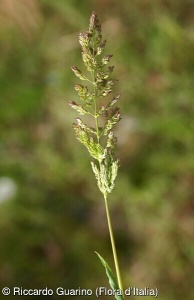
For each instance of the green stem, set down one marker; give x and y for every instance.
(114, 247)
(95, 107)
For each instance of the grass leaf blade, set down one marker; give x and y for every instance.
(112, 280)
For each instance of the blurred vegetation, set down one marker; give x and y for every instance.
(50, 229)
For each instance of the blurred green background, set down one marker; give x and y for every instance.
(52, 215)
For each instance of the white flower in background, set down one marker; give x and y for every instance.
(8, 188)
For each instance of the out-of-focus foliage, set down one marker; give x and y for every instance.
(50, 229)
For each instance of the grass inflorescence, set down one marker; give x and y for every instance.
(99, 140)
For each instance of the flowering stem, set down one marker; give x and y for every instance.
(113, 247)
(106, 166)
(95, 106)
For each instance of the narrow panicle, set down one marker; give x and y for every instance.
(100, 86)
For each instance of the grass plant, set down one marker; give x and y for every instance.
(99, 140)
